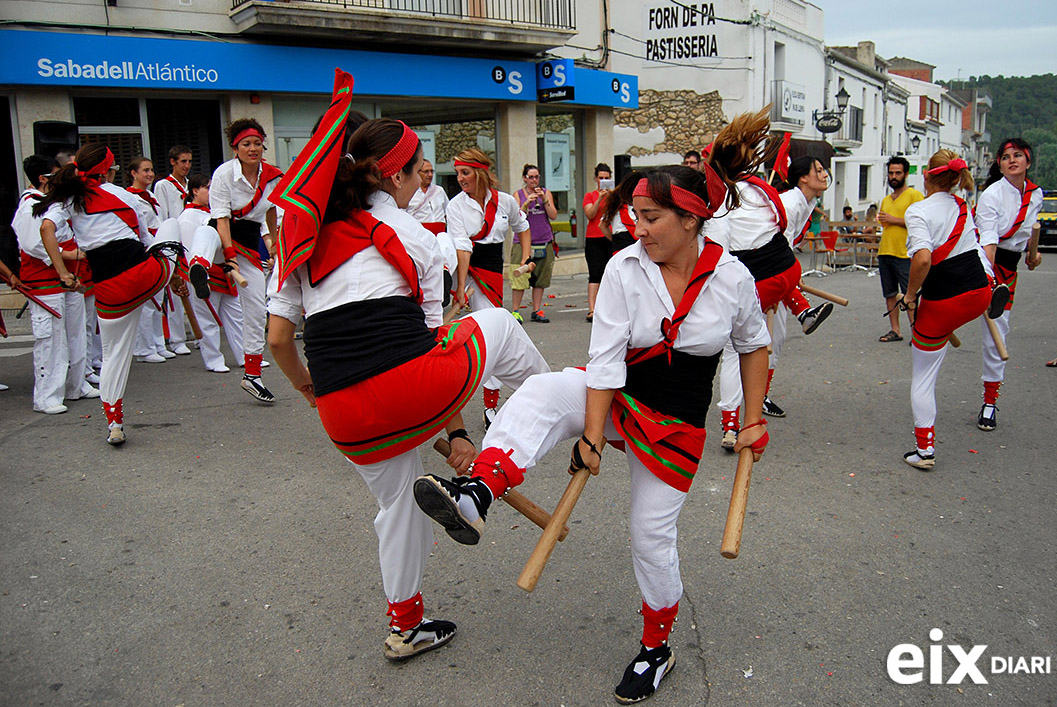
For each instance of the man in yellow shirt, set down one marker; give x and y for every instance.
(892, 262)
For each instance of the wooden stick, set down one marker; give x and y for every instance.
(455, 308)
(1000, 345)
(237, 277)
(739, 498)
(955, 341)
(843, 302)
(538, 559)
(192, 318)
(517, 500)
(770, 329)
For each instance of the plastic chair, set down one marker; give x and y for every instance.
(825, 243)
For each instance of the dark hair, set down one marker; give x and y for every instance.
(194, 182)
(741, 148)
(37, 166)
(692, 153)
(800, 167)
(660, 181)
(176, 150)
(67, 184)
(352, 121)
(237, 126)
(602, 167)
(525, 170)
(135, 163)
(616, 198)
(901, 161)
(994, 173)
(356, 180)
(847, 208)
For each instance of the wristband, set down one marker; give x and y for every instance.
(459, 433)
(230, 253)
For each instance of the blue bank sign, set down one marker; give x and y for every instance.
(63, 59)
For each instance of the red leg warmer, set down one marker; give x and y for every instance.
(926, 437)
(114, 415)
(491, 398)
(991, 391)
(494, 467)
(406, 614)
(253, 364)
(657, 624)
(730, 419)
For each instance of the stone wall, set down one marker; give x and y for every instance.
(689, 119)
(453, 138)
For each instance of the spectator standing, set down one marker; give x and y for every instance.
(597, 248)
(892, 261)
(537, 203)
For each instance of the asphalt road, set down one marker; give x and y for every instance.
(225, 555)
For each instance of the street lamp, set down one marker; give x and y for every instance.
(915, 143)
(829, 121)
(842, 99)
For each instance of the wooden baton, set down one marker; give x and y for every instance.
(517, 500)
(739, 499)
(842, 301)
(770, 329)
(955, 341)
(455, 308)
(192, 318)
(237, 277)
(1000, 345)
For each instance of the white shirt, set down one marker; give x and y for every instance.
(930, 222)
(170, 197)
(27, 227)
(368, 275)
(94, 230)
(633, 299)
(997, 210)
(750, 226)
(466, 217)
(617, 226)
(231, 190)
(797, 212)
(428, 206)
(190, 220)
(151, 215)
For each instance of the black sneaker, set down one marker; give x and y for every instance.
(401, 645)
(999, 299)
(772, 409)
(988, 420)
(539, 316)
(811, 318)
(489, 416)
(916, 459)
(199, 277)
(255, 387)
(439, 499)
(644, 674)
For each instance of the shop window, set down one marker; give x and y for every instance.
(864, 181)
(195, 123)
(94, 111)
(125, 147)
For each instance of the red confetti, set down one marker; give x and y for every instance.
(973, 451)
(85, 417)
(961, 498)
(550, 296)
(570, 305)
(829, 673)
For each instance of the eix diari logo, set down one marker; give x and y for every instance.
(906, 663)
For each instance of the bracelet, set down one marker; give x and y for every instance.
(459, 433)
(230, 253)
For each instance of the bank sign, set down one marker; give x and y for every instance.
(63, 59)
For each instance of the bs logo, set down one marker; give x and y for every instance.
(513, 80)
(622, 88)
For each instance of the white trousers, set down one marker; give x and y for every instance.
(229, 309)
(150, 338)
(94, 357)
(405, 533)
(994, 366)
(177, 324)
(926, 370)
(549, 409)
(480, 303)
(59, 350)
(254, 309)
(730, 393)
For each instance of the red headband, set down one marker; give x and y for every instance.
(475, 165)
(405, 148)
(101, 167)
(248, 132)
(687, 200)
(955, 165)
(1009, 143)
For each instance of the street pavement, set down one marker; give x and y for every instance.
(226, 556)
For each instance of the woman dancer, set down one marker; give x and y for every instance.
(478, 220)
(1005, 214)
(108, 222)
(618, 218)
(953, 276)
(385, 375)
(650, 388)
(238, 201)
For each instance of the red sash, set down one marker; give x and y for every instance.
(117, 296)
(172, 180)
(490, 284)
(146, 196)
(340, 240)
(667, 446)
(940, 254)
(625, 218)
(268, 173)
(38, 277)
(1025, 201)
(200, 207)
(772, 194)
(435, 227)
(99, 201)
(489, 216)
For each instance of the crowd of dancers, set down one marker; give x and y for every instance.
(691, 271)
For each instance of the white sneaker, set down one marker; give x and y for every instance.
(3, 387)
(116, 436)
(166, 353)
(92, 393)
(152, 358)
(219, 369)
(182, 350)
(92, 378)
(54, 410)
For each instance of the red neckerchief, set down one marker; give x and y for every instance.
(941, 253)
(340, 240)
(1025, 200)
(489, 216)
(99, 201)
(803, 231)
(172, 180)
(625, 218)
(268, 173)
(146, 196)
(706, 265)
(193, 205)
(772, 194)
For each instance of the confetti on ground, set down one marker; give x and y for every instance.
(747, 673)
(570, 305)
(551, 296)
(851, 474)
(85, 417)
(973, 451)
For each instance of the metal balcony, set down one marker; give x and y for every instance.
(485, 26)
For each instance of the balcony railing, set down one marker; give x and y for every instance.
(549, 14)
(851, 130)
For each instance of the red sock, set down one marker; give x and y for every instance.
(253, 364)
(406, 614)
(494, 467)
(491, 398)
(657, 624)
(926, 438)
(730, 419)
(991, 392)
(770, 375)
(114, 413)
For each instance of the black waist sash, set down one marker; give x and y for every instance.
(769, 260)
(246, 233)
(682, 389)
(621, 240)
(113, 258)
(487, 257)
(358, 340)
(1009, 259)
(954, 276)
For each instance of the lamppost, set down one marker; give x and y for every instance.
(915, 143)
(829, 121)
